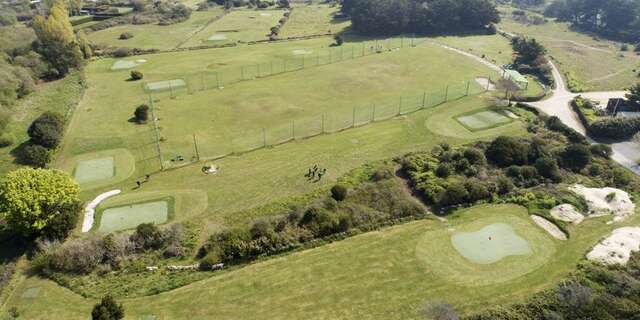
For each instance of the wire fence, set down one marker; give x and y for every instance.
(183, 150)
(182, 84)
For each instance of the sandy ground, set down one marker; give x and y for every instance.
(486, 83)
(617, 248)
(620, 206)
(567, 213)
(90, 209)
(551, 228)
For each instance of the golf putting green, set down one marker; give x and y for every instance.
(483, 120)
(463, 254)
(94, 170)
(165, 85)
(490, 244)
(130, 216)
(126, 64)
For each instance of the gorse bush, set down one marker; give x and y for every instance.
(136, 75)
(47, 130)
(339, 192)
(505, 151)
(141, 114)
(35, 155)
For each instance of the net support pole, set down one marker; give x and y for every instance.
(424, 99)
(293, 129)
(195, 146)
(446, 94)
(400, 106)
(264, 137)
(157, 135)
(353, 121)
(373, 113)
(323, 116)
(468, 84)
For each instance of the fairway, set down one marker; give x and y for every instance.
(154, 36)
(483, 120)
(383, 274)
(240, 25)
(128, 217)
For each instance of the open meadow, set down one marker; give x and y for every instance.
(588, 63)
(309, 20)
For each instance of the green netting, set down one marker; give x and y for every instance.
(306, 128)
(249, 141)
(386, 111)
(279, 134)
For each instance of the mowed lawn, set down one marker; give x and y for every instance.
(494, 48)
(377, 275)
(154, 36)
(596, 65)
(239, 25)
(311, 20)
(235, 117)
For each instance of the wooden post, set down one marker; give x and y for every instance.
(468, 83)
(424, 98)
(400, 106)
(293, 129)
(353, 121)
(264, 137)
(373, 113)
(446, 94)
(323, 123)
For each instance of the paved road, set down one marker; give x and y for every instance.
(558, 104)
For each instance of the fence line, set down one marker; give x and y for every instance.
(209, 80)
(203, 147)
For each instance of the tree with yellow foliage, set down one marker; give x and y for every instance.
(57, 42)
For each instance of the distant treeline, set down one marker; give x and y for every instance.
(385, 17)
(616, 19)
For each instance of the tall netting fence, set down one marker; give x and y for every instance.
(179, 84)
(209, 144)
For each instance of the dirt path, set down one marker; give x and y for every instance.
(469, 55)
(575, 43)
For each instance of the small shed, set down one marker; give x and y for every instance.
(616, 105)
(516, 77)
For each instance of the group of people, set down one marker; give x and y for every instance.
(139, 183)
(315, 173)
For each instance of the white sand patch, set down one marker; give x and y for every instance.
(141, 60)
(265, 14)
(510, 114)
(567, 213)
(90, 209)
(126, 64)
(617, 248)
(301, 52)
(217, 37)
(551, 228)
(605, 201)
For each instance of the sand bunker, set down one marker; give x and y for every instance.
(126, 64)
(567, 213)
(217, 37)
(551, 228)
(265, 14)
(90, 209)
(617, 248)
(301, 52)
(605, 201)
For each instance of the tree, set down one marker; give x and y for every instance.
(141, 114)
(107, 309)
(136, 75)
(147, 236)
(575, 157)
(548, 168)
(31, 199)
(56, 41)
(527, 50)
(601, 150)
(47, 129)
(84, 45)
(634, 94)
(454, 194)
(35, 155)
(505, 151)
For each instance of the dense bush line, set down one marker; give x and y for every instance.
(615, 128)
(379, 201)
(386, 17)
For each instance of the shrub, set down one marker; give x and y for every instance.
(338, 40)
(339, 192)
(454, 194)
(35, 155)
(615, 128)
(474, 156)
(47, 129)
(548, 168)
(505, 185)
(477, 191)
(443, 170)
(382, 173)
(136, 75)
(505, 151)
(141, 114)
(621, 177)
(555, 124)
(125, 36)
(107, 309)
(63, 222)
(319, 221)
(601, 150)
(6, 139)
(147, 236)
(575, 157)
(121, 52)
(261, 228)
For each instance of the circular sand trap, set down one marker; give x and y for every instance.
(490, 244)
(301, 52)
(217, 37)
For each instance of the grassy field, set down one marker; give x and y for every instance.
(387, 274)
(593, 64)
(494, 48)
(242, 25)
(154, 36)
(313, 19)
